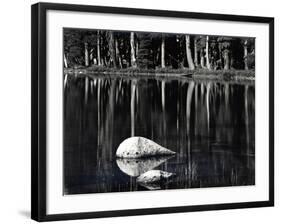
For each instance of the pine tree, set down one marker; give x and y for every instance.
(144, 54)
(188, 53)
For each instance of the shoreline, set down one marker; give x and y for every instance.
(232, 76)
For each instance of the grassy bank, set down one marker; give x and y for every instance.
(168, 72)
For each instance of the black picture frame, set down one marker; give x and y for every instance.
(39, 122)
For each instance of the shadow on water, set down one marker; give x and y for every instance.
(211, 126)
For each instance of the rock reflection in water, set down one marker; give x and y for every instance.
(153, 186)
(155, 179)
(210, 126)
(136, 167)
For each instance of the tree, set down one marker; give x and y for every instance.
(73, 48)
(98, 49)
(111, 46)
(86, 54)
(188, 53)
(132, 44)
(153, 50)
(207, 54)
(213, 52)
(201, 44)
(144, 59)
(180, 50)
(88, 37)
(251, 53)
(118, 57)
(245, 43)
(225, 47)
(248, 52)
(65, 61)
(226, 59)
(162, 51)
(195, 51)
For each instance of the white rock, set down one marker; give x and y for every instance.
(154, 176)
(140, 147)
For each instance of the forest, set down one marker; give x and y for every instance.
(105, 49)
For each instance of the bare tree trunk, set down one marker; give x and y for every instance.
(202, 62)
(188, 53)
(65, 61)
(195, 53)
(91, 56)
(86, 54)
(137, 49)
(246, 55)
(163, 52)
(118, 53)
(231, 62)
(226, 59)
(104, 61)
(112, 48)
(98, 48)
(220, 55)
(133, 57)
(207, 54)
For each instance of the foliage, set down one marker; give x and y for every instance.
(115, 50)
(144, 58)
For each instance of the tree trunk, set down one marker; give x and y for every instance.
(188, 53)
(112, 49)
(137, 50)
(163, 52)
(226, 59)
(86, 55)
(133, 57)
(246, 55)
(232, 62)
(65, 61)
(202, 62)
(104, 62)
(220, 56)
(118, 53)
(92, 60)
(195, 53)
(98, 49)
(207, 54)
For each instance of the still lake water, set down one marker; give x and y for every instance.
(211, 126)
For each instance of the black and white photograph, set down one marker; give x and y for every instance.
(147, 111)
(142, 111)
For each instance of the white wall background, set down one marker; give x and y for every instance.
(15, 110)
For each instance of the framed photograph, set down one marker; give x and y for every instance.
(139, 111)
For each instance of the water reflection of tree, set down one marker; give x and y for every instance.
(210, 125)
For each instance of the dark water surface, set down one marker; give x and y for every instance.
(211, 126)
